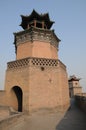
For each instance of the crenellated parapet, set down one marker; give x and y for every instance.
(80, 99)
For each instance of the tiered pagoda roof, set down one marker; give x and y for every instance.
(39, 18)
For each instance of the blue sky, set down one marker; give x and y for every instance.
(70, 27)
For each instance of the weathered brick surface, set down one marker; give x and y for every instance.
(36, 49)
(77, 90)
(44, 89)
(47, 88)
(20, 78)
(24, 50)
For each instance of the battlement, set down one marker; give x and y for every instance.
(81, 101)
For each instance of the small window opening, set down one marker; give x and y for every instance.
(42, 68)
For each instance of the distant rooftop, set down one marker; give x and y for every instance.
(73, 78)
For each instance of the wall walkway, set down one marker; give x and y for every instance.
(73, 119)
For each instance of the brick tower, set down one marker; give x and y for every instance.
(37, 79)
(74, 86)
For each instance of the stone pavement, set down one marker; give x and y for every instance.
(74, 119)
(40, 120)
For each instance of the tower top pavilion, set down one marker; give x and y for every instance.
(37, 39)
(37, 20)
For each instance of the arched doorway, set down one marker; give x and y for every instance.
(18, 92)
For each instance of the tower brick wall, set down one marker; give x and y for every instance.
(36, 49)
(17, 77)
(51, 89)
(42, 81)
(74, 86)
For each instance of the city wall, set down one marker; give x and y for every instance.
(81, 101)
